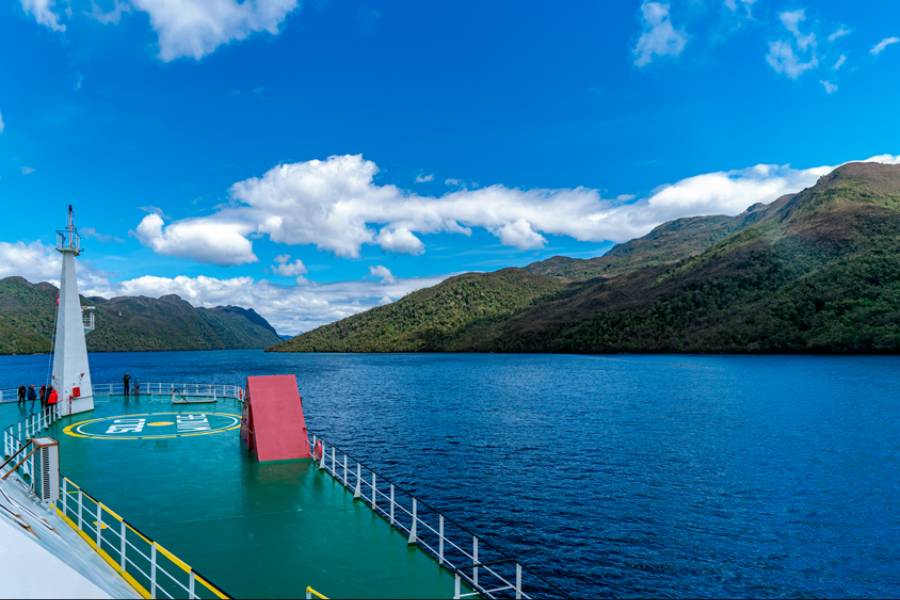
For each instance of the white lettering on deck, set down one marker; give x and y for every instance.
(193, 423)
(126, 426)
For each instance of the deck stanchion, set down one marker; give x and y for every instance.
(518, 581)
(392, 504)
(412, 528)
(122, 532)
(99, 525)
(475, 560)
(440, 539)
(357, 494)
(153, 570)
(191, 594)
(80, 510)
(374, 494)
(345, 470)
(333, 461)
(65, 496)
(456, 587)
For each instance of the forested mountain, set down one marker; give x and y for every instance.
(27, 313)
(815, 272)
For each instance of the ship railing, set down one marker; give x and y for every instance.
(199, 390)
(188, 390)
(150, 569)
(481, 566)
(17, 436)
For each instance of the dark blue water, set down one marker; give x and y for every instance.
(626, 476)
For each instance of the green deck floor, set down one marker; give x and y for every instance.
(257, 531)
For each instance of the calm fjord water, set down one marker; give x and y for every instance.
(614, 476)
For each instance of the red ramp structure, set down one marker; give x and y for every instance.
(273, 426)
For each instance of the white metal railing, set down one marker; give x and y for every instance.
(101, 390)
(170, 389)
(16, 437)
(479, 565)
(151, 569)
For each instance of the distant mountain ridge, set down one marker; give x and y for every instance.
(812, 272)
(127, 324)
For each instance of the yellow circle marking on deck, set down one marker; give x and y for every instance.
(75, 430)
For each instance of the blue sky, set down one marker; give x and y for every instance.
(209, 145)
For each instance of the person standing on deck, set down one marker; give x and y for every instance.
(21, 395)
(32, 395)
(42, 396)
(52, 398)
(137, 388)
(126, 379)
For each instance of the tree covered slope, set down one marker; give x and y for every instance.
(127, 324)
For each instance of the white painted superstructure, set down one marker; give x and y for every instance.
(71, 371)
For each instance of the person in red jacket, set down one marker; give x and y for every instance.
(53, 398)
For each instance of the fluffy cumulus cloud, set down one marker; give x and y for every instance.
(793, 57)
(336, 206)
(880, 46)
(221, 240)
(659, 38)
(186, 28)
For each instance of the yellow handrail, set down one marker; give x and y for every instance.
(311, 592)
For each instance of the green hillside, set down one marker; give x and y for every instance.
(815, 272)
(430, 319)
(127, 324)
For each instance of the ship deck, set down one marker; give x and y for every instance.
(255, 530)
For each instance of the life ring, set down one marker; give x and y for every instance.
(318, 451)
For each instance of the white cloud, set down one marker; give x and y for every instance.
(830, 88)
(841, 32)
(659, 37)
(423, 179)
(1, 123)
(783, 59)
(195, 28)
(42, 10)
(289, 269)
(290, 309)
(791, 21)
(336, 206)
(218, 241)
(840, 62)
(733, 5)
(154, 210)
(782, 55)
(451, 181)
(90, 232)
(382, 272)
(400, 240)
(879, 48)
(28, 170)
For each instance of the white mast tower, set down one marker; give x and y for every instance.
(71, 372)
